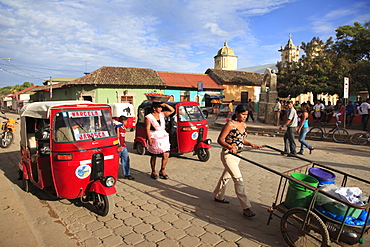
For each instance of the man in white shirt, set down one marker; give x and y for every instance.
(365, 109)
(277, 111)
(291, 124)
(318, 110)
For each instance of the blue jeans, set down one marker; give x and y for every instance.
(125, 161)
(302, 137)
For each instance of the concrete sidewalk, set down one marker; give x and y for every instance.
(258, 128)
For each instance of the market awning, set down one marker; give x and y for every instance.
(216, 101)
(214, 96)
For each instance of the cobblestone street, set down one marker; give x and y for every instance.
(175, 212)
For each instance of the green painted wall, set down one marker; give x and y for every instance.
(102, 95)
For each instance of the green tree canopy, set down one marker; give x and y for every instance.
(352, 44)
(325, 64)
(13, 89)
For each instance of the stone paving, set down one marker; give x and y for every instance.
(179, 211)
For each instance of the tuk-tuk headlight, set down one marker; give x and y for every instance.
(109, 181)
(208, 141)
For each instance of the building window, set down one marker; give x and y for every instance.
(127, 99)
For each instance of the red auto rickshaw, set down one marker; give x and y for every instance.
(187, 127)
(70, 149)
(124, 109)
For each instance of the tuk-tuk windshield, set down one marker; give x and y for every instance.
(190, 113)
(83, 125)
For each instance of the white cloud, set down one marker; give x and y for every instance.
(171, 35)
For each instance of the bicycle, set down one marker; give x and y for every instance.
(360, 138)
(339, 135)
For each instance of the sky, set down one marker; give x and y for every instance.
(65, 38)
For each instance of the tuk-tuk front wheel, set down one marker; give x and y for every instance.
(203, 154)
(104, 204)
(140, 149)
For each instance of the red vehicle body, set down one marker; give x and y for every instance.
(187, 127)
(85, 166)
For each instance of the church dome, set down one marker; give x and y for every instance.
(225, 50)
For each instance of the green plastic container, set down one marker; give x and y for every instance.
(297, 195)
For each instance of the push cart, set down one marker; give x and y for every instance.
(309, 225)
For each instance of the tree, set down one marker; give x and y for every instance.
(320, 70)
(353, 44)
(13, 89)
(353, 41)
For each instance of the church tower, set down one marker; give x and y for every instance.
(290, 53)
(226, 59)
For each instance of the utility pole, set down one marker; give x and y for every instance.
(51, 89)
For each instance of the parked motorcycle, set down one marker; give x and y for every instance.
(7, 129)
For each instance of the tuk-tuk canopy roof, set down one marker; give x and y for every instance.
(42, 109)
(117, 109)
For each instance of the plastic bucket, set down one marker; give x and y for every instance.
(324, 176)
(297, 195)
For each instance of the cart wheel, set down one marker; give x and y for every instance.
(6, 140)
(203, 154)
(359, 139)
(340, 135)
(104, 204)
(140, 149)
(314, 232)
(315, 134)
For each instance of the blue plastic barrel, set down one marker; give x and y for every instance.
(324, 176)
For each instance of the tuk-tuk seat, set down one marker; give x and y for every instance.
(32, 146)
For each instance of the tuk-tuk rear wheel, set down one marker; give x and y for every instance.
(26, 184)
(104, 204)
(140, 149)
(203, 154)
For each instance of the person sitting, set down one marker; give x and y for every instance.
(329, 109)
(64, 134)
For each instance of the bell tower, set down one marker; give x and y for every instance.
(225, 59)
(290, 53)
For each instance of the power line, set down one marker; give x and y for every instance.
(23, 75)
(23, 66)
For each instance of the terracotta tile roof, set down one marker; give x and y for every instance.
(235, 77)
(116, 76)
(188, 80)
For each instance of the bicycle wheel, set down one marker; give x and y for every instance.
(359, 139)
(340, 135)
(297, 234)
(315, 133)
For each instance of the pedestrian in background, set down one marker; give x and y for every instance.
(125, 159)
(277, 111)
(303, 129)
(350, 112)
(250, 110)
(232, 140)
(230, 110)
(291, 124)
(365, 110)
